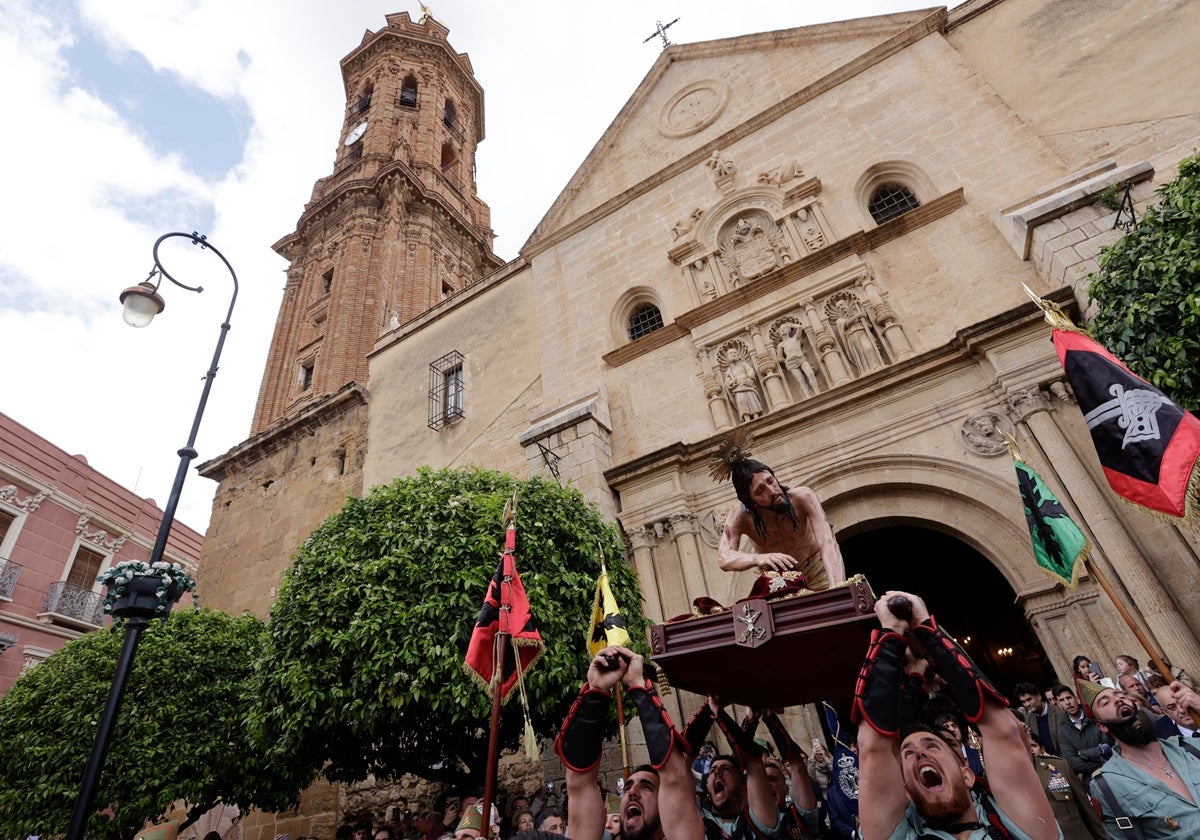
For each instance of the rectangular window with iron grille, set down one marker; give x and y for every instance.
(446, 390)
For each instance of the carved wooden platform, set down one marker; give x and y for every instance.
(770, 654)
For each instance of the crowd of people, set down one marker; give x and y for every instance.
(940, 751)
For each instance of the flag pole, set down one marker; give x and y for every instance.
(621, 728)
(499, 648)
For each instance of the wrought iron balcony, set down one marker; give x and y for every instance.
(74, 603)
(9, 571)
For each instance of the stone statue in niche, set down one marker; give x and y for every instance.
(743, 385)
(855, 329)
(708, 289)
(791, 350)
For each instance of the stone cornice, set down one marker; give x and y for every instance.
(349, 397)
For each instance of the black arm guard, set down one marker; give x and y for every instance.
(788, 748)
(581, 738)
(698, 728)
(877, 692)
(743, 742)
(967, 684)
(660, 733)
(912, 699)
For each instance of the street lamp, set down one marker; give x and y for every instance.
(142, 302)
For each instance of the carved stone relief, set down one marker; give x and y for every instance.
(980, 433)
(10, 496)
(750, 246)
(724, 170)
(99, 537)
(693, 108)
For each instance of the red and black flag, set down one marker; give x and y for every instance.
(1148, 446)
(506, 611)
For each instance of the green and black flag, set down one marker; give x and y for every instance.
(1058, 544)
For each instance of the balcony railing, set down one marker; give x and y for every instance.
(66, 600)
(8, 577)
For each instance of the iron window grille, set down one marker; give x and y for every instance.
(9, 572)
(890, 201)
(446, 390)
(644, 320)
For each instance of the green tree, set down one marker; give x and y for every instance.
(1147, 293)
(363, 671)
(179, 735)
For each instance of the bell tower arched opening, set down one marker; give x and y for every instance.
(969, 596)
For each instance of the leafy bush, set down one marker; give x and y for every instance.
(363, 671)
(179, 734)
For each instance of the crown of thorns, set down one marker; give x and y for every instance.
(731, 452)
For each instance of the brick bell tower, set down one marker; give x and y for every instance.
(396, 228)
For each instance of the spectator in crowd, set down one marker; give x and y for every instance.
(1072, 807)
(1176, 719)
(471, 824)
(551, 821)
(1084, 744)
(1043, 718)
(740, 801)
(820, 767)
(522, 820)
(612, 816)
(450, 813)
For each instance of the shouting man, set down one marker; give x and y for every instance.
(922, 787)
(661, 793)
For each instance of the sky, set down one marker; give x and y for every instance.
(124, 121)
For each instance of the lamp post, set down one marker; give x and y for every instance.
(141, 303)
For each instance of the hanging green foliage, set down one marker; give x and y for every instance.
(1147, 293)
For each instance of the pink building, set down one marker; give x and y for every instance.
(61, 524)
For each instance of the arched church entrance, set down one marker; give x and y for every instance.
(969, 596)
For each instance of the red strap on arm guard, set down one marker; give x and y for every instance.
(877, 692)
(698, 728)
(581, 738)
(967, 684)
(657, 728)
(742, 741)
(788, 748)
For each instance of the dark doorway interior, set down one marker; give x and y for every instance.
(969, 597)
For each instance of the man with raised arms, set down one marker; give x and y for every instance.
(917, 786)
(658, 794)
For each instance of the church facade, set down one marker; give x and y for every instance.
(819, 234)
